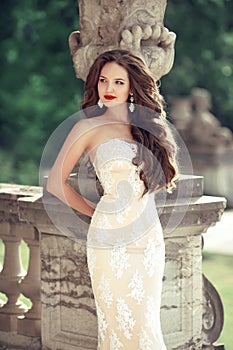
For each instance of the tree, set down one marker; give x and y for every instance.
(204, 52)
(38, 84)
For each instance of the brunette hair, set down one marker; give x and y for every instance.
(149, 126)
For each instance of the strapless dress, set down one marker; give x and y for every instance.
(125, 254)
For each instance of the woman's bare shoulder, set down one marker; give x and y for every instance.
(83, 125)
(88, 128)
(87, 122)
(91, 124)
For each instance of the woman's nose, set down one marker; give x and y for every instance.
(109, 87)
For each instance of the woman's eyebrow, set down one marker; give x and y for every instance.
(102, 76)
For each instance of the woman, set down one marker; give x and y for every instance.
(134, 154)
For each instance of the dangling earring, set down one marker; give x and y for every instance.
(100, 103)
(131, 106)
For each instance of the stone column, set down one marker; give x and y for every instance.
(30, 324)
(134, 25)
(10, 276)
(12, 272)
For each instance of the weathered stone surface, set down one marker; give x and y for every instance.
(135, 25)
(181, 298)
(66, 295)
(9, 193)
(14, 341)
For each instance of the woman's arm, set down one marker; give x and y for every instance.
(74, 146)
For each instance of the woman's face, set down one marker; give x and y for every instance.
(113, 84)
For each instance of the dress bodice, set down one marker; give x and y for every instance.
(123, 212)
(115, 170)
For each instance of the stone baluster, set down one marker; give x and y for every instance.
(30, 287)
(10, 277)
(12, 231)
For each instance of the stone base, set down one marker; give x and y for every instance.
(213, 347)
(8, 323)
(12, 340)
(29, 327)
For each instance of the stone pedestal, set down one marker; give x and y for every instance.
(68, 309)
(216, 165)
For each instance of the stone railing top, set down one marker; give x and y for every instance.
(186, 205)
(13, 191)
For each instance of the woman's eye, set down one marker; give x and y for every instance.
(119, 82)
(102, 80)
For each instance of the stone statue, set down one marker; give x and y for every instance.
(135, 25)
(199, 128)
(181, 112)
(205, 128)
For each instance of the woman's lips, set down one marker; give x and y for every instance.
(109, 97)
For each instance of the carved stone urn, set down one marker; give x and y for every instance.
(134, 25)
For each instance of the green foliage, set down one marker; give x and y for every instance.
(204, 52)
(38, 85)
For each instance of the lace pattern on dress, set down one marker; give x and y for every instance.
(102, 323)
(105, 291)
(137, 288)
(115, 343)
(145, 343)
(119, 261)
(124, 317)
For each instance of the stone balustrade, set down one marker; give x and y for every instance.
(18, 324)
(58, 283)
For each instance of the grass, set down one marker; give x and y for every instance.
(219, 270)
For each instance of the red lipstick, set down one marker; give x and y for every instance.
(109, 97)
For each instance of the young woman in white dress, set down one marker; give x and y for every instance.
(133, 152)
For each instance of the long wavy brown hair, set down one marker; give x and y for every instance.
(149, 126)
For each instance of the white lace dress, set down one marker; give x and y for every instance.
(126, 254)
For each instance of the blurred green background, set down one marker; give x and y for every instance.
(38, 88)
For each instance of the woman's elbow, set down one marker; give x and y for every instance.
(52, 185)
